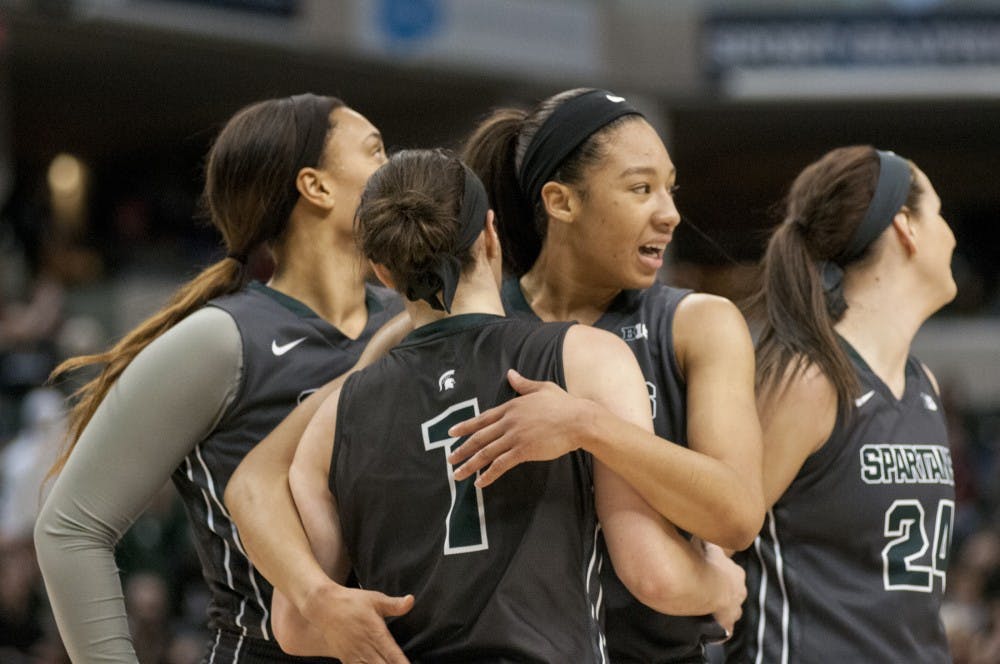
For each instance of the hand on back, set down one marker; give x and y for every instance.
(540, 425)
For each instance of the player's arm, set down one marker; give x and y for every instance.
(166, 401)
(318, 616)
(716, 358)
(660, 567)
(797, 416)
(257, 495)
(711, 490)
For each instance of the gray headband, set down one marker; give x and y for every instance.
(894, 180)
(572, 123)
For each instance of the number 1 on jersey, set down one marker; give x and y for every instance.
(465, 524)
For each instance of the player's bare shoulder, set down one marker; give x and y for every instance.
(589, 348)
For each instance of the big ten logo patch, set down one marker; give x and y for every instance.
(652, 397)
(635, 332)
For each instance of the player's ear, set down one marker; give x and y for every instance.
(314, 186)
(561, 202)
(490, 236)
(383, 274)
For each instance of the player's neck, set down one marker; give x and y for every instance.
(556, 292)
(880, 323)
(477, 293)
(329, 278)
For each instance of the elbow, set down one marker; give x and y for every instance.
(53, 538)
(743, 530)
(290, 629)
(664, 591)
(43, 540)
(741, 524)
(284, 629)
(238, 490)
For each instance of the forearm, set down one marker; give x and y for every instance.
(295, 634)
(664, 571)
(84, 588)
(698, 493)
(274, 538)
(260, 502)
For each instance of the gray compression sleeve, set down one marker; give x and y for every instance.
(168, 399)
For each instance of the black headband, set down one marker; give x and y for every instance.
(312, 124)
(892, 190)
(572, 123)
(444, 274)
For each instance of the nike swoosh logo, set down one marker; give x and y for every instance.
(281, 350)
(863, 399)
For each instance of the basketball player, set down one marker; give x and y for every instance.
(191, 390)
(851, 563)
(505, 574)
(584, 189)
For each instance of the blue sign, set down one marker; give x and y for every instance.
(407, 21)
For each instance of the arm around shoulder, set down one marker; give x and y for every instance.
(694, 490)
(715, 354)
(257, 494)
(661, 568)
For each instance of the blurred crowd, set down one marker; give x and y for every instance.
(62, 294)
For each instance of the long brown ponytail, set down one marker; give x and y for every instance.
(797, 313)
(250, 174)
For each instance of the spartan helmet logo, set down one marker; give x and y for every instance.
(446, 381)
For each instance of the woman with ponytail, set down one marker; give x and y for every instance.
(584, 193)
(851, 563)
(506, 573)
(191, 390)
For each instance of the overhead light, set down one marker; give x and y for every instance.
(66, 174)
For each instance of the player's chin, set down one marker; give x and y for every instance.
(641, 280)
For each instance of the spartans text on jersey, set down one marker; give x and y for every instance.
(906, 464)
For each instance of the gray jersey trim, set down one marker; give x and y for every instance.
(785, 608)
(211, 496)
(596, 557)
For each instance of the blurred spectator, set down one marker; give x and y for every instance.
(971, 611)
(146, 599)
(26, 459)
(25, 625)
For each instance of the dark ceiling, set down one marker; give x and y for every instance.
(100, 90)
(130, 99)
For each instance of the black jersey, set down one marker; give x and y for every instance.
(850, 565)
(644, 319)
(501, 574)
(288, 353)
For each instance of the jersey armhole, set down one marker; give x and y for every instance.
(241, 371)
(675, 367)
(340, 433)
(560, 369)
(817, 460)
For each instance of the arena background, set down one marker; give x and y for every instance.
(107, 108)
